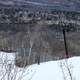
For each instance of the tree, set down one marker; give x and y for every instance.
(8, 70)
(66, 70)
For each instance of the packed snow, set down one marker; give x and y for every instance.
(53, 70)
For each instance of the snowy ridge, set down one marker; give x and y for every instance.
(45, 71)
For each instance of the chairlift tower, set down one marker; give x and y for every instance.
(64, 28)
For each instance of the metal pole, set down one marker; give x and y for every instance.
(65, 43)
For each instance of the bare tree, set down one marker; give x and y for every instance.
(8, 70)
(66, 70)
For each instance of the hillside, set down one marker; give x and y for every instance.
(34, 30)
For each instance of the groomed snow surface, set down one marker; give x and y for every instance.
(53, 70)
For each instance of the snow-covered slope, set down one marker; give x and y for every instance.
(52, 70)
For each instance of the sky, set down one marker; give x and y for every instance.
(69, 5)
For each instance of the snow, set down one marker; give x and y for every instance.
(51, 70)
(10, 56)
